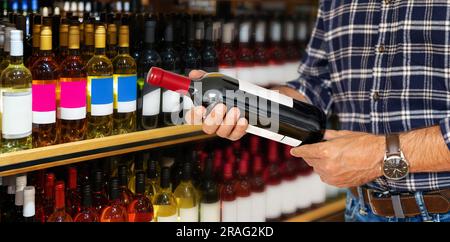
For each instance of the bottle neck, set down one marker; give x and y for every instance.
(74, 52)
(124, 51)
(100, 51)
(16, 60)
(47, 53)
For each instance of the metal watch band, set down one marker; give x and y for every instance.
(392, 144)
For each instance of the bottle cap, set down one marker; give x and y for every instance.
(114, 184)
(123, 175)
(16, 43)
(227, 33)
(73, 6)
(244, 32)
(151, 169)
(209, 31)
(126, 6)
(46, 38)
(72, 178)
(2, 38)
(169, 80)
(199, 30)
(257, 164)
(243, 167)
(66, 6)
(49, 184)
(64, 35)
(45, 12)
(289, 31)
(119, 6)
(260, 32)
(36, 35)
(187, 170)
(165, 177)
(150, 27)
(88, 7)
(59, 194)
(80, 6)
(7, 44)
(74, 37)
(168, 34)
(228, 171)
(275, 31)
(86, 195)
(98, 181)
(100, 37)
(56, 11)
(124, 34)
(29, 201)
(272, 153)
(254, 144)
(140, 182)
(11, 189)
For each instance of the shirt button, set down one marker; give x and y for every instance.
(376, 96)
(381, 48)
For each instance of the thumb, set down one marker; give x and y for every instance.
(196, 74)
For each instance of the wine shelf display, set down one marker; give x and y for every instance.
(329, 209)
(62, 154)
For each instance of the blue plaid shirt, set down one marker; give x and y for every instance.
(383, 66)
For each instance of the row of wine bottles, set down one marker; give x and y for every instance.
(195, 183)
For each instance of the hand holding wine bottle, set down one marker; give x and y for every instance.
(265, 112)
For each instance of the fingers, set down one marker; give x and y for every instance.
(214, 119)
(239, 130)
(307, 152)
(228, 123)
(195, 115)
(196, 74)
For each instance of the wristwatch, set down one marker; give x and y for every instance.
(395, 166)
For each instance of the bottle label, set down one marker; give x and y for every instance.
(187, 103)
(231, 72)
(210, 212)
(100, 95)
(151, 103)
(303, 195)
(317, 189)
(276, 74)
(273, 136)
(258, 207)
(17, 114)
(44, 102)
(72, 99)
(261, 75)
(189, 214)
(245, 74)
(244, 209)
(173, 218)
(229, 211)
(273, 202)
(125, 92)
(288, 204)
(171, 102)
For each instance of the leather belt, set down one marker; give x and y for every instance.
(435, 202)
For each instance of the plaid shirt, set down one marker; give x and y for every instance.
(383, 66)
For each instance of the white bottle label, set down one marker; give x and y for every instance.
(151, 103)
(189, 214)
(171, 102)
(258, 207)
(273, 136)
(266, 93)
(187, 103)
(210, 212)
(245, 74)
(318, 189)
(244, 209)
(289, 201)
(290, 71)
(17, 114)
(231, 72)
(276, 74)
(273, 201)
(229, 211)
(261, 75)
(173, 218)
(303, 194)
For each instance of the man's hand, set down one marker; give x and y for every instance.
(225, 123)
(346, 159)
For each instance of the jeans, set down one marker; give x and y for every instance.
(355, 212)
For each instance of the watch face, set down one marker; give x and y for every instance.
(395, 168)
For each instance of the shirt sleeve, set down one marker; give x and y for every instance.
(314, 79)
(445, 129)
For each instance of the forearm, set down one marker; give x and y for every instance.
(291, 93)
(425, 150)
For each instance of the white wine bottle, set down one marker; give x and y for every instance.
(186, 196)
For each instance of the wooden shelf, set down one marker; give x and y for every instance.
(63, 154)
(321, 212)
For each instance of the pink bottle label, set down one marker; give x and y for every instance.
(44, 97)
(73, 93)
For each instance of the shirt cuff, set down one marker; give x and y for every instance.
(445, 129)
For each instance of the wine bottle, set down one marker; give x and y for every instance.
(274, 192)
(44, 210)
(149, 96)
(296, 122)
(125, 84)
(126, 196)
(29, 209)
(73, 199)
(260, 56)
(258, 188)
(186, 196)
(227, 55)
(115, 211)
(6, 48)
(99, 199)
(152, 182)
(171, 105)
(59, 214)
(21, 183)
(140, 208)
(228, 195)
(210, 195)
(16, 100)
(100, 89)
(138, 165)
(45, 72)
(72, 91)
(209, 53)
(243, 193)
(288, 184)
(36, 40)
(63, 41)
(111, 50)
(87, 212)
(244, 56)
(165, 206)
